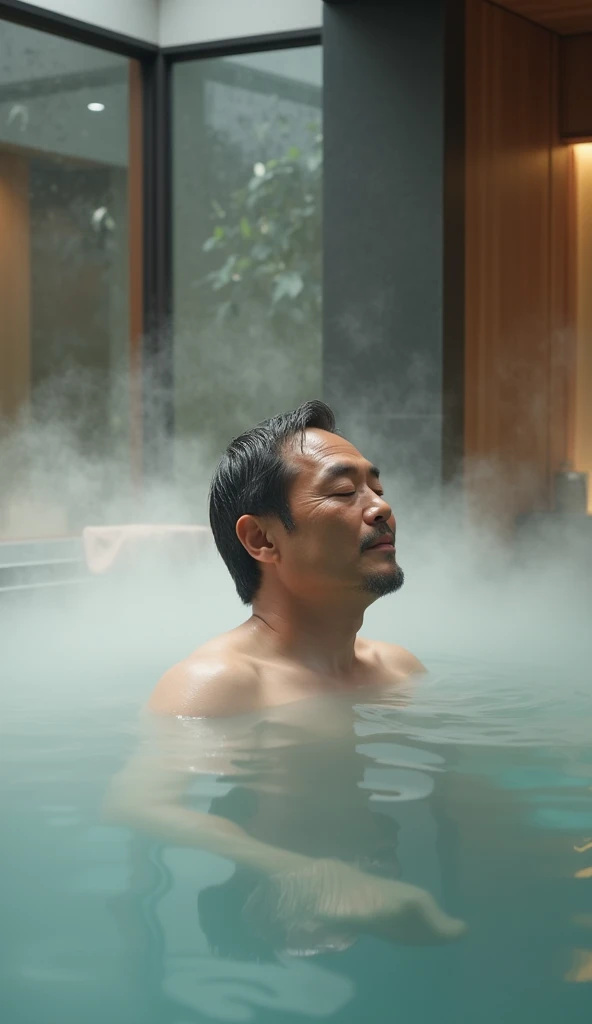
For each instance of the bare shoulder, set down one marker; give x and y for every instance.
(211, 683)
(393, 658)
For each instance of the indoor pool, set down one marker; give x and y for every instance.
(474, 784)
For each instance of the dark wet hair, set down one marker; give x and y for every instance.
(252, 478)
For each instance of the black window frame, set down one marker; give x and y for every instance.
(156, 65)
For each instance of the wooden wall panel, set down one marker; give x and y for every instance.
(516, 247)
(567, 17)
(15, 283)
(582, 446)
(575, 87)
(562, 293)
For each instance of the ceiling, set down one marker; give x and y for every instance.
(563, 16)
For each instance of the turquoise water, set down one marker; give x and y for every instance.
(476, 786)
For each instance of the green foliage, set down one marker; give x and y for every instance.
(267, 239)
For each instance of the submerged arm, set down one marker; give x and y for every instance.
(306, 895)
(148, 794)
(192, 736)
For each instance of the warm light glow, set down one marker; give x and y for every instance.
(96, 107)
(582, 448)
(581, 968)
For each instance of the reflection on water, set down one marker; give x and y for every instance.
(474, 787)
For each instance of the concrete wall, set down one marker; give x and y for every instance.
(137, 18)
(193, 21)
(177, 22)
(385, 226)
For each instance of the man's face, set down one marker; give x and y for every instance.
(344, 529)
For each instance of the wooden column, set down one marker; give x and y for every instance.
(575, 87)
(15, 283)
(582, 446)
(562, 287)
(519, 326)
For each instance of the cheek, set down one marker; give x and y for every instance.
(329, 540)
(305, 546)
(324, 534)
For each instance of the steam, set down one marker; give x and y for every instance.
(469, 596)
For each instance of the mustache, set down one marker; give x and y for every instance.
(373, 538)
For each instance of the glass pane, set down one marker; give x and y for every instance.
(247, 243)
(64, 280)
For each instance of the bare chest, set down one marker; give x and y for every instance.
(321, 705)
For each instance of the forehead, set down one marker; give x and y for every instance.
(322, 450)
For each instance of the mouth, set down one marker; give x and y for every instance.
(384, 543)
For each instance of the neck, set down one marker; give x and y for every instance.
(319, 634)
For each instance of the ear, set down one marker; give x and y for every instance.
(256, 538)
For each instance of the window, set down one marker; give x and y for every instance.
(68, 332)
(247, 168)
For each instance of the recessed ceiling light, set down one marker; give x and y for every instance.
(96, 107)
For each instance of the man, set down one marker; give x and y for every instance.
(301, 521)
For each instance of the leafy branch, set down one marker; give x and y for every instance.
(268, 238)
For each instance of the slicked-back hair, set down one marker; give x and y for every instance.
(253, 478)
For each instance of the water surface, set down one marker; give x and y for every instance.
(474, 785)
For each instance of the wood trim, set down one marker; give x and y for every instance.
(566, 17)
(136, 263)
(15, 284)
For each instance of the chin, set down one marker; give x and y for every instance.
(386, 582)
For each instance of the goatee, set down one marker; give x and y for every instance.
(383, 583)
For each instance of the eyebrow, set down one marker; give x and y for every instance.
(345, 468)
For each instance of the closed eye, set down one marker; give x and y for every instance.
(349, 494)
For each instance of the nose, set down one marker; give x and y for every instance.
(378, 510)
